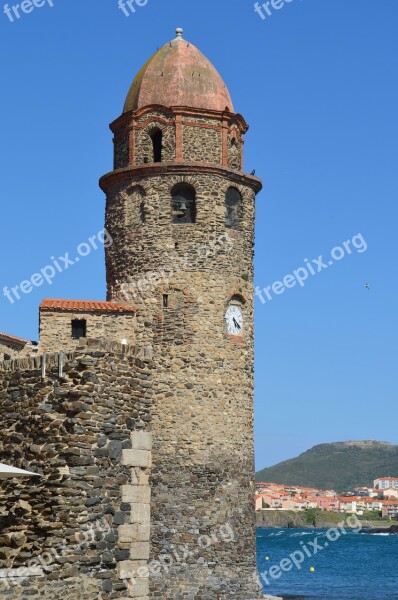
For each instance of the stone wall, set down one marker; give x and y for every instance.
(56, 328)
(121, 153)
(157, 245)
(10, 351)
(203, 453)
(203, 459)
(86, 430)
(202, 141)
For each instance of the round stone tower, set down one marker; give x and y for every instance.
(181, 214)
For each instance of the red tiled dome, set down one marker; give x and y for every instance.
(179, 75)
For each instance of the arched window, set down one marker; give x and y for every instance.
(157, 145)
(184, 203)
(235, 154)
(233, 201)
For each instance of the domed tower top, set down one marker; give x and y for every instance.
(178, 110)
(179, 75)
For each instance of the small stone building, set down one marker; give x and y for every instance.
(12, 346)
(63, 323)
(138, 412)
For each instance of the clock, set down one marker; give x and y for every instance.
(234, 320)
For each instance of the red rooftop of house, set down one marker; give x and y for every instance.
(55, 304)
(14, 338)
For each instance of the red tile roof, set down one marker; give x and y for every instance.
(54, 304)
(358, 499)
(14, 338)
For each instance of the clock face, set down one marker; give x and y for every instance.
(234, 320)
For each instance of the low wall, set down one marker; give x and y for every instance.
(80, 530)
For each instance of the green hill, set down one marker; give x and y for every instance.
(340, 466)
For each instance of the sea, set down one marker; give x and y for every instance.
(320, 564)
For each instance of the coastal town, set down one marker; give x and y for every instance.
(382, 498)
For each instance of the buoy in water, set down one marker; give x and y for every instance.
(312, 569)
(267, 558)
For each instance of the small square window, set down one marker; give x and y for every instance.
(79, 329)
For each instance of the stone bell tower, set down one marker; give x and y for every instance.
(181, 213)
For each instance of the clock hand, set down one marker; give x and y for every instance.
(236, 324)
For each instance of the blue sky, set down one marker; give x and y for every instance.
(317, 82)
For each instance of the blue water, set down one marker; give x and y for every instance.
(354, 567)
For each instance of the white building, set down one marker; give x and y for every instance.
(385, 483)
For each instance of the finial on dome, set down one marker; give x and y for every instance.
(179, 32)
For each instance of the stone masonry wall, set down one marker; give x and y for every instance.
(158, 244)
(121, 155)
(202, 141)
(202, 424)
(85, 523)
(15, 352)
(56, 329)
(203, 458)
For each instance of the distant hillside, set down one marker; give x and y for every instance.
(339, 466)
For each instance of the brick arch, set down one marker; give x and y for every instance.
(144, 148)
(191, 180)
(154, 122)
(233, 184)
(235, 293)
